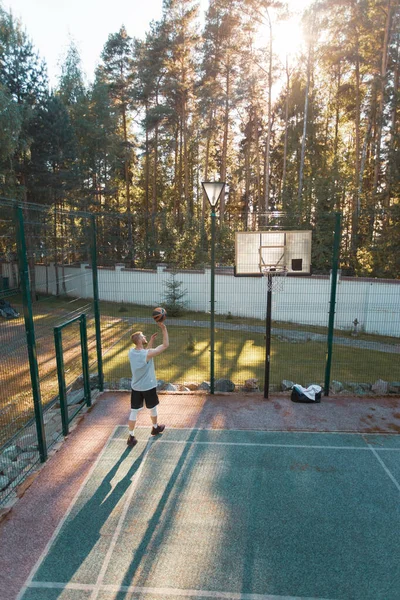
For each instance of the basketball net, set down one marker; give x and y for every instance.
(275, 278)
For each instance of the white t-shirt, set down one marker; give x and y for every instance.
(143, 373)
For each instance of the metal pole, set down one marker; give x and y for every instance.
(62, 394)
(212, 357)
(85, 360)
(268, 337)
(30, 332)
(335, 265)
(96, 305)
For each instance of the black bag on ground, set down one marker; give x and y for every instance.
(311, 395)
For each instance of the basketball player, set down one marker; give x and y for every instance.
(144, 382)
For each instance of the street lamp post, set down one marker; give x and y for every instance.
(213, 191)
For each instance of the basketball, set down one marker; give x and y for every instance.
(159, 314)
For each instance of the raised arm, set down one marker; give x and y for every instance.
(152, 340)
(165, 343)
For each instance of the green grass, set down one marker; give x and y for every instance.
(240, 356)
(137, 310)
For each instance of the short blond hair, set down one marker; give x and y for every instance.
(135, 337)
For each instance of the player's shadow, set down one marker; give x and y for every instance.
(73, 548)
(162, 519)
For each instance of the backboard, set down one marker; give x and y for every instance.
(256, 251)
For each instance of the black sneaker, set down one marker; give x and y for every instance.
(132, 441)
(158, 429)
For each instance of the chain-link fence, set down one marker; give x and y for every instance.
(58, 264)
(46, 280)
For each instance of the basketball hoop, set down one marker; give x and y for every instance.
(275, 277)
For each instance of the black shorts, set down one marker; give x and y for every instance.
(149, 396)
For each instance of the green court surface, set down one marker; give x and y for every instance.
(241, 515)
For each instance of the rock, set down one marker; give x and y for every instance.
(336, 387)
(75, 397)
(28, 442)
(5, 463)
(4, 482)
(204, 386)
(192, 386)
(26, 458)
(125, 383)
(93, 382)
(251, 385)
(380, 387)
(78, 384)
(160, 385)
(13, 471)
(365, 386)
(286, 385)
(181, 388)
(47, 417)
(357, 388)
(224, 385)
(170, 387)
(11, 452)
(394, 387)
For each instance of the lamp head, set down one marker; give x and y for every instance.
(213, 191)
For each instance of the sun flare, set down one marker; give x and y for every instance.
(288, 39)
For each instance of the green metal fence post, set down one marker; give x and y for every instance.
(62, 394)
(30, 332)
(85, 359)
(96, 303)
(335, 265)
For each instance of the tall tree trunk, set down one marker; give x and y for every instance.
(186, 166)
(247, 181)
(303, 142)
(225, 138)
(180, 171)
(385, 49)
(260, 202)
(147, 169)
(269, 125)
(356, 196)
(393, 126)
(55, 248)
(127, 189)
(285, 140)
(147, 184)
(63, 238)
(176, 176)
(155, 170)
(336, 142)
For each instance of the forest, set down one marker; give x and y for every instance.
(308, 136)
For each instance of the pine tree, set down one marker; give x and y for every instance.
(118, 73)
(174, 296)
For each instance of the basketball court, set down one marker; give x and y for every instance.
(209, 510)
(239, 499)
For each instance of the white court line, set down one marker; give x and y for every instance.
(28, 582)
(106, 562)
(392, 477)
(174, 592)
(259, 444)
(269, 431)
(99, 586)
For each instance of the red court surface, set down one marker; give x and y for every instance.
(27, 528)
